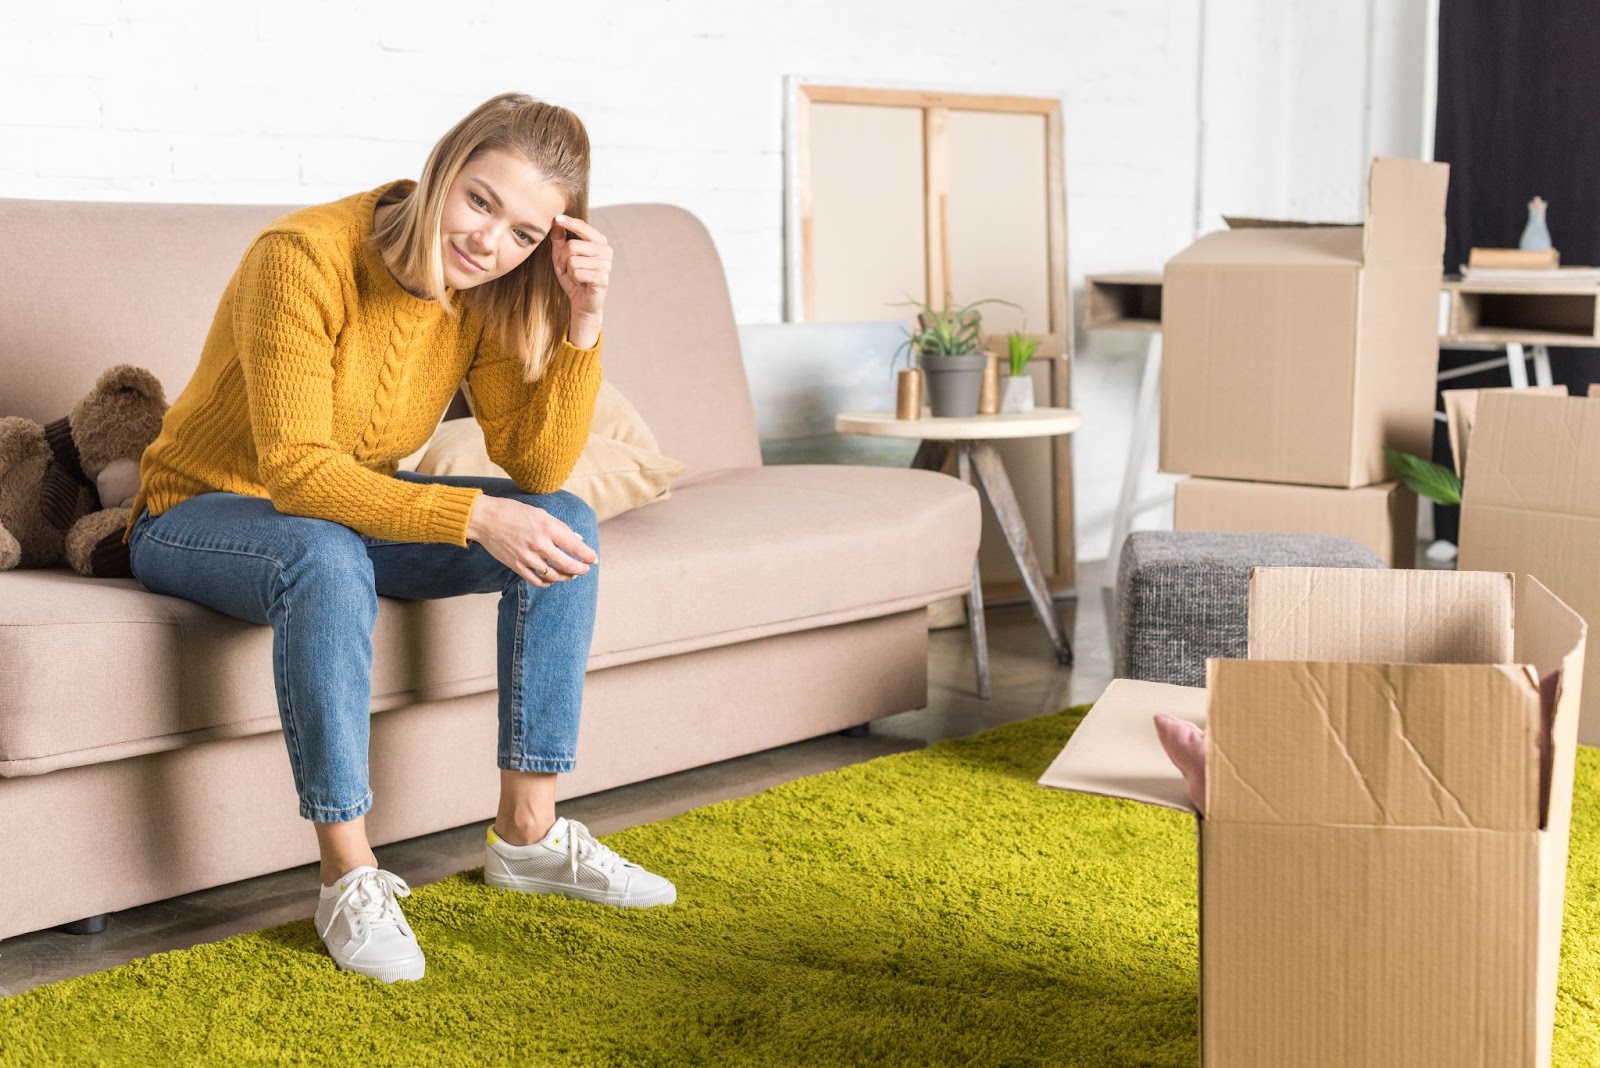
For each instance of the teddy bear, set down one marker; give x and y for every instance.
(66, 487)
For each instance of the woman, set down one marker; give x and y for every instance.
(272, 492)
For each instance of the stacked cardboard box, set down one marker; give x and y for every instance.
(1293, 353)
(1383, 846)
(1383, 517)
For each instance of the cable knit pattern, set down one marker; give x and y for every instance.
(320, 373)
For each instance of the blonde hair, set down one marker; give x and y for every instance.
(526, 311)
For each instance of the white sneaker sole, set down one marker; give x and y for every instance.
(528, 885)
(388, 972)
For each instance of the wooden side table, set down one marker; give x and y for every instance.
(978, 461)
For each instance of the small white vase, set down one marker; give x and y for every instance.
(1536, 235)
(1016, 393)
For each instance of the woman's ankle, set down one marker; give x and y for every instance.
(527, 807)
(330, 873)
(522, 830)
(343, 847)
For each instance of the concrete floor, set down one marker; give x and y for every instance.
(1026, 679)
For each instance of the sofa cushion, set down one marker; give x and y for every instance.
(94, 670)
(611, 476)
(766, 550)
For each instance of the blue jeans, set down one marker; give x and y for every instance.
(317, 583)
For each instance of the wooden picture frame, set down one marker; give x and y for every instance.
(908, 190)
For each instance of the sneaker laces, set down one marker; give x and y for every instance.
(585, 846)
(372, 899)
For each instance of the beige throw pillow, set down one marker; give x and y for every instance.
(616, 418)
(620, 468)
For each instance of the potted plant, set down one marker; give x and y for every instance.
(1424, 477)
(946, 345)
(1016, 389)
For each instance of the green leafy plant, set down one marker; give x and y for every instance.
(1019, 350)
(1427, 478)
(947, 331)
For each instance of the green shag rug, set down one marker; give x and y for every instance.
(936, 907)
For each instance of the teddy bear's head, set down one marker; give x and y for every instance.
(66, 486)
(118, 418)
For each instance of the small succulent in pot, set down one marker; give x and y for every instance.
(1016, 390)
(948, 345)
(1020, 349)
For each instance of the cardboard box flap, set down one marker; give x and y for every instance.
(1405, 212)
(1551, 636)
(1554, 638)
(1327, 613)
(1115, 751)
(1461, 411)
(1363, 744)
(1274, 247)
(1535, 453)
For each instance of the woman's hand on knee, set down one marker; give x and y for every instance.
(529, 540)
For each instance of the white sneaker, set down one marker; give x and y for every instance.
(360, 922)
(571, 862)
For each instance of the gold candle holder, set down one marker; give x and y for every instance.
(908, 395)
(989, 390)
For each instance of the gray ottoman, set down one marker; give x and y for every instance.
(1182, 596)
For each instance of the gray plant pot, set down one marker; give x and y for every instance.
(954, 383)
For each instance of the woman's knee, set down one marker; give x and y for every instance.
(572, 510)
(321, 552)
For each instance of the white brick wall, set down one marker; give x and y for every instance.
(299, 102)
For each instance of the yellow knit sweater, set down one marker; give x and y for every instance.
(321, 373)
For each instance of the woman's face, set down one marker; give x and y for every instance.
(497, 211)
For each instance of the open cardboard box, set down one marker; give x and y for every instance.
(1293, 352)
(1531, 500)
(1461, 415)
(1381, 872)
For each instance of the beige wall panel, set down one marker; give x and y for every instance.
(999, 222)
(869, 247)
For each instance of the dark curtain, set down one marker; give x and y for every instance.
(1518, 116)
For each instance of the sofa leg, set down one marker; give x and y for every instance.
(860, 730)
(88, 925)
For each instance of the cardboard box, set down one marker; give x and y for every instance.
(1295, 352)
(1382, 870)
(1531, 501)
(1381, 517)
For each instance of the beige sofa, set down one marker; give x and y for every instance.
(140, 749)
